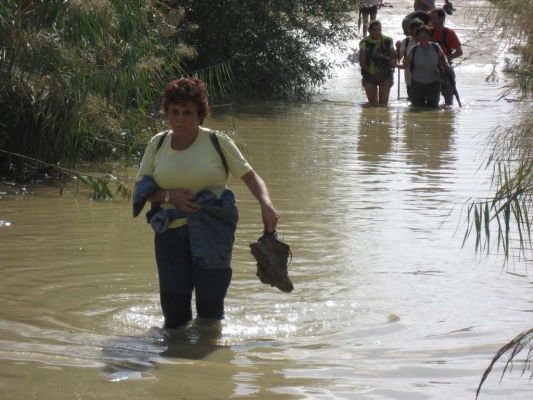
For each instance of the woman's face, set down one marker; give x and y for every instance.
(183, 118)
(436, 21)
(422, 37)
(375, 31)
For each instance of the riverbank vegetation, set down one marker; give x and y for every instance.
(80, 80)
(510, 211)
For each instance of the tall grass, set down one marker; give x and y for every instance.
(69, 71)
(510, 209)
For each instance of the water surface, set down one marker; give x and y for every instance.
(387, 304)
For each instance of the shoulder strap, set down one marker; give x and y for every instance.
(369, 50)
(413, 52)
(161, 140)
(215, 142)
(439, 51)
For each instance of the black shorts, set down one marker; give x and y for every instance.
(372, 10)
(374, 80)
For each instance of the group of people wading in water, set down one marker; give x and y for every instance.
(425, 55)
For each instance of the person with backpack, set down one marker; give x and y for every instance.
(426, 62)
(403, 48)
(183, 174)
(377, 59)
(450, 45)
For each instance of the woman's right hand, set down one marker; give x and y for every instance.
(183, 199)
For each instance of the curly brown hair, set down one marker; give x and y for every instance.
(180, 91)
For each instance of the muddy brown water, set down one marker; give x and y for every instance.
(387, 304)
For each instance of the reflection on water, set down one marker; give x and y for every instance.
(386, 303)
(375, 134)
(429, 136)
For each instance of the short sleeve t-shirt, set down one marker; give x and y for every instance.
(452, 41)
(196, 168)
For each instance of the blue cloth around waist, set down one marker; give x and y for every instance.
(211, 228)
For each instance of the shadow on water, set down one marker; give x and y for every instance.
(136, 357)
(375, 137)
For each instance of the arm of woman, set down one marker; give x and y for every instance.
(393, 56)
(407, 61)
(458, 52)
(362, 61)
(259, 190)
(399, 54)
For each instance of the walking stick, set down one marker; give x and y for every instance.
(398, 83)
(454, 86)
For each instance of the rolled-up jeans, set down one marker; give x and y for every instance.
(179, 276)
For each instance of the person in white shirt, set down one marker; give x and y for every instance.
(403, 48)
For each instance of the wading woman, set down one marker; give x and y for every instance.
(377, 59)
(425, 61)
(184, 174)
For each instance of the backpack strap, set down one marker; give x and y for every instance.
(161, 140)
(413, 52)
(369, 50)
(216, 143)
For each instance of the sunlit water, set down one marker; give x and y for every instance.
(387, 304)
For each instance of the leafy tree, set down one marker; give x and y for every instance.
(69, 71)
(274, 46)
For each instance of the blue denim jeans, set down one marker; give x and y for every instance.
(179, 276)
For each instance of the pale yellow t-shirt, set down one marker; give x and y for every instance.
(196, 168)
